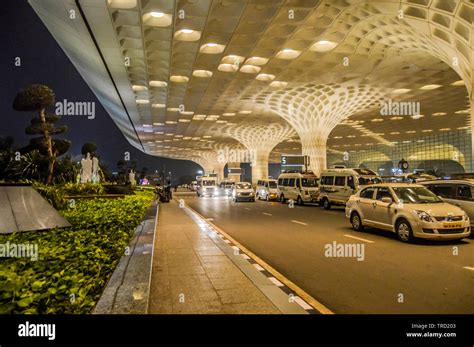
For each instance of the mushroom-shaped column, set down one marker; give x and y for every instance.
(315, 110)
(260, 139)
(214, 161)
(206, 166)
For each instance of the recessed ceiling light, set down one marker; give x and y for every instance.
(157, 19)
(323, 46)
(171, 122)
(158, 84)
(173, 109)
(158, 105)
(375, 120)
(158, 124)
(122, 4)
(179, 79)
(439, 114)
(143, 101)
(157, 14)
(137, 88)
(202, 73)
(396, 118)
(250, 69)
(431, 86)
(182, 120)
(228, 114)
(265, 77)
(395, 133)
(463, 112)
(426, 131)
(245, 112)
(256, 61)
(187, 35)
(212, 48)
(228, 67)
(187, 113)
(221, 121)
(417, 116)
(401, 91)
(288, 53)
(445, 129)
(278, 84)
(463, 128)
(233, 59)
(147, 126)
(411, 132)
(458, 83)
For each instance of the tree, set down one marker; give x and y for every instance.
(89, 147)
(38, 98)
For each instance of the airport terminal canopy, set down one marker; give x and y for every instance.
(184, 77)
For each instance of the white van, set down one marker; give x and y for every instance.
(267, 189)
(207, 186)
(298, 186)
(337, 185)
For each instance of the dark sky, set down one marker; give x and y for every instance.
(44, 62)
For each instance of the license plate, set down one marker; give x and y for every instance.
(452, 225)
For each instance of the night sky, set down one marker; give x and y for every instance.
(44, 62)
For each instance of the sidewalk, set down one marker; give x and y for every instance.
(193, 272)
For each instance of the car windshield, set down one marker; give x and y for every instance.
(208, 183)
(243, 185)
(272, 184)
(364, 181)
(309, 182)
(416, 195)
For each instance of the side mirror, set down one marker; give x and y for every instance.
(387, 200)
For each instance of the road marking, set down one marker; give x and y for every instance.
(468, 268)
(247, 208)
(359, 238)
(298, 222)
(276, 282)
(258, 267)
(266, 214)
(302, 303)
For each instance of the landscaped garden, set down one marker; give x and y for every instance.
(75, 263)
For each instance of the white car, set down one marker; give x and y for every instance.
(243, 191)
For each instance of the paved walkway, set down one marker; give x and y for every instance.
(193, 272)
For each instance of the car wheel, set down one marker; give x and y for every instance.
(299, 201)
(326, 204)
(356, 222)
(404, 231)
(253, 200)
(282, 199)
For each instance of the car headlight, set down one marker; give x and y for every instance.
(424, 216)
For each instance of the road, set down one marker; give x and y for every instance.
(392, 277)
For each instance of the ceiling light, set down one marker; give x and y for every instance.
(147, 126)
(157, 19)
(212, 48)
(431, 86)
(228, 67)
(173, 109)
(417, 116)
(463, 128)
(426, 131)
(396, 118)
(458, 83)
(288, 53)
(122, 4)
(182, 120)
(323, 46)
(137, 88)
(401, 91)
(158, 84)
(228, 114)
(179, 79)
(187, 113)
(250, 69)
(411, 132)
(159, 124)
(157, 14)
(445, 129)
(221, 121)
(207, 136)
(233, 59)
(202, 73)
(265, 77)
(278, 84)
(375, 120)
(187, 35)
(158, 105)
(245, 112)
(256, 61)
(467, 111)
(439, 114)
(143, 101)
(395, 133)
(171, 122)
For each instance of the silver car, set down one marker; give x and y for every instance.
(243, 191)
(409, 210)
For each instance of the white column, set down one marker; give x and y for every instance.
(315, 148)
(472, 130)
(259, 165)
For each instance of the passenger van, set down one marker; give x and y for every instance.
(226, 187)
(337, 185)
(267, 189)
(456, 192)
(207, 186)
(299, 186)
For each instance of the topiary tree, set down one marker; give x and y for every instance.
(37, 98)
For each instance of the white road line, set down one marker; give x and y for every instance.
(247, 208)
(359, 238)
(276, 282)
(302, 303)
(468, 268)
(297, 222)
(258, 267)
(266, 214)
(245, 256)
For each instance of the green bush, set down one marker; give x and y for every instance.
(83, 189)
(73, 263)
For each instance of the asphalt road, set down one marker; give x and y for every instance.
(393, 277)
